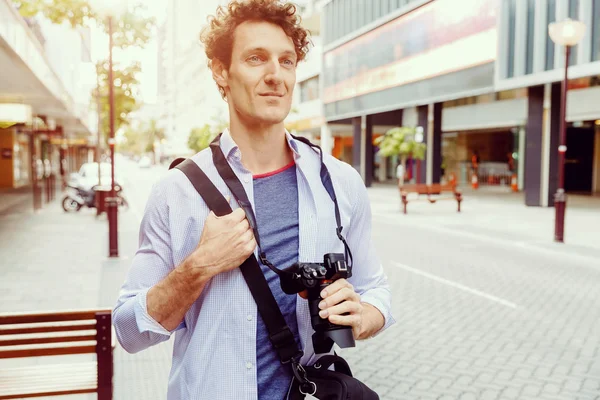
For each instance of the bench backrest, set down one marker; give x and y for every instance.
(55, 333)
(437, 188)
(419, 188)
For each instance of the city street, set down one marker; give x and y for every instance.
(483, 311)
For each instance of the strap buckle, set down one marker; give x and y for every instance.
(338, 231)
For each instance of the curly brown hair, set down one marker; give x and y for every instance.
(217, 35)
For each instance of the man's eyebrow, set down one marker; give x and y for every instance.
(263, 50)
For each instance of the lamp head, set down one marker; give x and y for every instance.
(567, 32)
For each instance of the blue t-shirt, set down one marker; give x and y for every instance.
(276, 209)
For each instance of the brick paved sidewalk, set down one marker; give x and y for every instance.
(501, 216)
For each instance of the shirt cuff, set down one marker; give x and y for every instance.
(145, 322)
(372, 299)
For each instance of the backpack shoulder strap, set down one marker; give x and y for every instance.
(280, 334)
(204, 186)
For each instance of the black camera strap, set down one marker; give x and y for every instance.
(237, 189)
(280, 334)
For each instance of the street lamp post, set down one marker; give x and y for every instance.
(108, 10)
(566, 33)
(419, 139)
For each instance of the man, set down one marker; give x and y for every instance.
(185, 277)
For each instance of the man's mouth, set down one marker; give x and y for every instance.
(271, 94)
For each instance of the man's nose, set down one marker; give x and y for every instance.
(273, 76)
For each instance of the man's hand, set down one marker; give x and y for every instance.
(226, 242)
(342, 306)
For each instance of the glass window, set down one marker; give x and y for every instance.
(573, 14)
(530, 36)
(549, 43)
(596, 31)
(309, 89)
(368, 12)
(376, 4)
(355, 15)
(385, 7)
(512, 15)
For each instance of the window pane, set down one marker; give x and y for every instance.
(309, 89)
(385, 7)
(549, 42)
(596, 31)
(376, 9)
(573, 14)
(512, 15)
(369, 12)
(530, 36)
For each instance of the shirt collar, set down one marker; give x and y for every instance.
(231, 149)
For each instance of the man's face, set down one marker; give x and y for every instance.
(261, 78)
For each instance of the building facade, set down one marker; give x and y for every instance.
(187, 93)
(482, 80)
(46, 125)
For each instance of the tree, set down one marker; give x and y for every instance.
(401, 141)
(200, 138)
(131, 29)
(152, 133)
(132, 141)
(125, 92)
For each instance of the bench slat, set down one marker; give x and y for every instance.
(46, 351)
(16, 329)
(48, 380)
(51, 316)
(48, 339)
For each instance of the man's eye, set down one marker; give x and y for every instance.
(254, 58)
(289, 62)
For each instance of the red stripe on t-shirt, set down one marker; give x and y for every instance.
(290, 165)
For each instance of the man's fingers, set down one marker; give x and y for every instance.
(339, 296)
(351, 307)
(335, 287)
(237, 215)
(246, 236)
(345, 320)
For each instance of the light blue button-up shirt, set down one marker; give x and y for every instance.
(214, 352)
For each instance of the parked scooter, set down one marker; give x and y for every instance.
(78, 197)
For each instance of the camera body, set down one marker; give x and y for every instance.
(314, 277)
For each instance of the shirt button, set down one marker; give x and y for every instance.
(249, 317)
(247, 180)
(249, 365)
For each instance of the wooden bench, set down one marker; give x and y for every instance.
(435, 189)
(57, 333)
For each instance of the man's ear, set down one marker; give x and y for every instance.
(220, 73)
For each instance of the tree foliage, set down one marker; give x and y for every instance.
(401, 141)
(125, 92)
(141, 140)
(131, 29)
(200, 138)
(152, 132)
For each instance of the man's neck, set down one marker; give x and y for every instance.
(263, 148)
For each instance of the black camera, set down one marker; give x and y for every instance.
(314, 277)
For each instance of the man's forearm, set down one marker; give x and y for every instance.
(169, 300)
(372, 321)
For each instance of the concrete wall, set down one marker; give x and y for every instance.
(505, 113)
